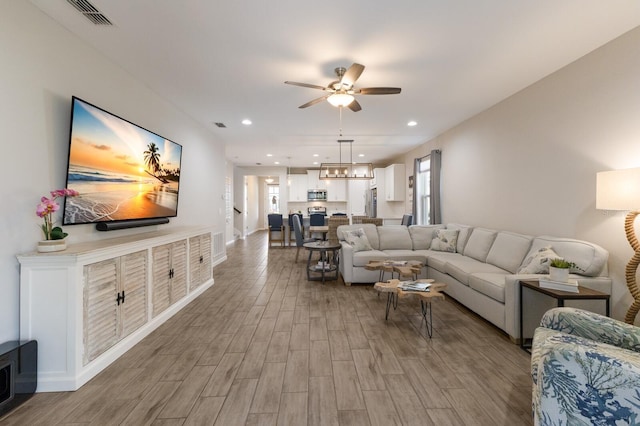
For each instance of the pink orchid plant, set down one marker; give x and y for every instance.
(47, 207)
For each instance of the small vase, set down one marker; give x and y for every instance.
(48, 246)
(559, 274)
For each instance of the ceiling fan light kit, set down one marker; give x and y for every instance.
(347, 170)
(341, 93)
(340, 99)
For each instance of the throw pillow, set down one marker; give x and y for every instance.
(538, 262)
(445, 240)
(358, 240)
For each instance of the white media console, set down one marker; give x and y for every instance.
(89, 304)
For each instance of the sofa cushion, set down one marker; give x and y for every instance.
(405, 255)
(361, 258)
(508, 250)
(358, 240)
(462, 268)
(537, 262)
(490, 284)
(438, 259)
(463, 235)
(479, 243)
(421, 235)
(394, 237)
(444, 240)
(589, 257)
(369, 228)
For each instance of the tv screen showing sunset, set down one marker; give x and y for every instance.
(121, 170)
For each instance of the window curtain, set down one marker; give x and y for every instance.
(436, 165)
(414, 206)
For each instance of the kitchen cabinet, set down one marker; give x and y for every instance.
(336, 190)
(394, 182)
(357, 191)
(89, 304)
(313, 181)
(298, 186)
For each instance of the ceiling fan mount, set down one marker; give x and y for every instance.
(340, 93)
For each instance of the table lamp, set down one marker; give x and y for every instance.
(620, 190)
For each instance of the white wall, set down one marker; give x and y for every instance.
(43, 65)
(529, 163)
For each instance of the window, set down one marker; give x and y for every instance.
(273, 198)
(423, 191)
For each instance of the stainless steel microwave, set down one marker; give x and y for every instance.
(317, 195)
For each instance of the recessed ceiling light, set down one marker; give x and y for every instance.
(246, 122)
(269, 155)
(360, 155)
(276, 162)
(412, 123)
(315, 162)
(315, 155)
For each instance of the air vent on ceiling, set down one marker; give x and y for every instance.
(90, 12)
(221, 125)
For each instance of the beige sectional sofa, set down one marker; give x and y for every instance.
(482, 273)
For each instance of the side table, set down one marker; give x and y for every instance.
(583, 293)
(328, 267)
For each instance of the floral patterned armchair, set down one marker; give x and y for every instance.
(585, 369)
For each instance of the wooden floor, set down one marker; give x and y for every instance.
(264, 346)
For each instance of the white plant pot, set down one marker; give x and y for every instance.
(49, 246)
(559, 274)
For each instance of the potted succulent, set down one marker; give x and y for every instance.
(559, 269)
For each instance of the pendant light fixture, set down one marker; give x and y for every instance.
(347, 170)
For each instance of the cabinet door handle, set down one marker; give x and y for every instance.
(201, 259)
(120, 298)
(171, 273)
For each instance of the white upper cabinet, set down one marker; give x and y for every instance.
(394, 182)
(336, 190)
(298, 188)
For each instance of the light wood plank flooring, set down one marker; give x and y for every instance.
(264, 346)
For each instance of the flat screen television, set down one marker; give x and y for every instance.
(122, 171)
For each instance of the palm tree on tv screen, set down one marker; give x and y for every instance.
(152, 161)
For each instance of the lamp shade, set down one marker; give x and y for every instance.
(618, 190)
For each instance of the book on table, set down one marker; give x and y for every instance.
(414, 286)
(570, 286)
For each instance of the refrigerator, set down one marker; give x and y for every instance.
(371, 206)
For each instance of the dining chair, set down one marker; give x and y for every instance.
(316, 219)
(297, 230)
(407, 220)
(291, 230)
(334, 222)
(275, 226)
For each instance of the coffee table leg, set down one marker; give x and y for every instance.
(426, 309)
(392, 299)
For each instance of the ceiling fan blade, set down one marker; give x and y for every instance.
(379, 91)
(315, 101)
(310, 86)
(351, 75)
(354, 106)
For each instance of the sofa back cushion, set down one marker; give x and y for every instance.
(394, 237)
(508, 250)
(479, 243)
(463, 235)
(369, 229)
(421, 235)
(589, 257)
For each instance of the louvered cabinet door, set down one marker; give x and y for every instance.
(133, 282)
(199, 260)
(161, 257)
(100, 307)
(179, 267)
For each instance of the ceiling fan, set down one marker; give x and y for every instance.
(340, 92)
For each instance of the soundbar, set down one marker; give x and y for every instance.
(112, 226)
